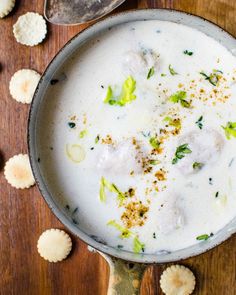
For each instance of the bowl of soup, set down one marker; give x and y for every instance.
(132, 135)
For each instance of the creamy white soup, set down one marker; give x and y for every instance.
(137, 137)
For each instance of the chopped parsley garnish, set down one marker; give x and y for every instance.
(213, 78)
(172, 71)
(179, 97)
(83, 133)
(125, 233)
(151, 72)
(217, 195)
(163, 75)
(71, 125)
(154, 142)
(188, 52)
(230, 129)
(197, 165)
(154, 162)
(127, 94)
(180, 153)
(199, 122)
(173, 122)
(97, 138)
(204, 237)
(112, 188)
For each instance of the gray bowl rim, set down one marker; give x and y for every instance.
(171, 15)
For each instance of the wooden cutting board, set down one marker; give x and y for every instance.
(24, 214)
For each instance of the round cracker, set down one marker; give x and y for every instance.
(23, 84)
(177, 279)
(6, 7)
(54, 245)
(30, 29)
(18, 172)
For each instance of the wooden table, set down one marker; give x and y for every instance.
(24, 214)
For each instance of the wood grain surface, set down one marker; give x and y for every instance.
(24, 214)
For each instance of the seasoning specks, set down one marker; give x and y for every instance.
(134, 214)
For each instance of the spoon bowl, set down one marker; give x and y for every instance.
(66, 12)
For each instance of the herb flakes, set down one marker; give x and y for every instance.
(213, 78)
(83, 133)
(172, 71)
(186, 52)
(180, 153)
(197, 165)
(151, 72)
(173, 122)
(97, 138)
(154, 142)
(71, 125)
(179, 97)
(154, 162)
(230, 129)
(199, 122)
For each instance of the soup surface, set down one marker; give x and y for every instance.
(137, 137)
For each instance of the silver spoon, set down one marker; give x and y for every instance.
(73, 12)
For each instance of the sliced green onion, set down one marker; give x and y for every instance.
(75, 153)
